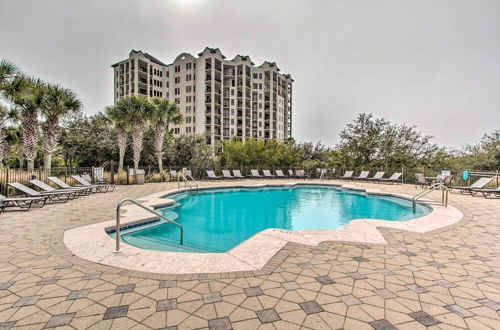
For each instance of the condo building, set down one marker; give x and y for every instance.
(220, 98)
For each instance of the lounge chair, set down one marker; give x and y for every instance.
(376, 177)
(173, 174)
(87, 178)
(52, 196)
(76, 192)
(255, 174)
(290, 174)
(268, 174)
(479, 184)
(64, 185)
(301, 174)
(22, 202)
(237, 174)
(211, 175)
(487, 192)
(227, 174)
(279, 174)
(395, 178)
(347, 175)
(362, 176)
(188, 173)
(98, 187)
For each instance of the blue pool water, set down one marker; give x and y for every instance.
(217, 220)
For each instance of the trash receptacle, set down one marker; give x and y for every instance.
(139, 177)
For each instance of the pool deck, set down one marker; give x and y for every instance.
(254, 254)
(445, 278)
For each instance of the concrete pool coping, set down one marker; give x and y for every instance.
(92, 243)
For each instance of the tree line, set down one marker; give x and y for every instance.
(39, 120)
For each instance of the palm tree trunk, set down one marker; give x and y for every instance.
(137, 137)
(47, 162)
(122, 145)
(158, 144)
(30, 137)
(50, 134)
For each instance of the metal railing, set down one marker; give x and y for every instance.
(439, 185)
(161, 216)
(187, 179)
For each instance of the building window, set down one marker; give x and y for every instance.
(177, 80)
(189, 77)
(188, 89)
(177, 91)
(177, 68)
(188, 66)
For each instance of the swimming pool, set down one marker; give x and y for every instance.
(216, 220)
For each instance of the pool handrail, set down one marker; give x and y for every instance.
(188, 180)
(161, 216)
(435, 186)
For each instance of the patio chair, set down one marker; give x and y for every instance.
(211, 175)
(46, 188)
(64, 185)
(237, 174)
(420, 180)
(62, 197)
(280, 174)
(362, 176)
(347, 175)
(22, 202)
(255, 174)
(268, 174)
(395, 178)
(376, 177)
(227, 174)
(479, 184)
(98, 187)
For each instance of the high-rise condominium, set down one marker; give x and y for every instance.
(217, 97)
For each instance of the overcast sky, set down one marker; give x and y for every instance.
(430, 63)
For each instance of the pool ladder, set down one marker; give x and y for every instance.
(161, 216)
(435, 186)
(188, 181)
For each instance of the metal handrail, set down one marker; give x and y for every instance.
(161, 216)
(188, 179)
(444, 195)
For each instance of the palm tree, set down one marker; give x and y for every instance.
(57, 102)
(120, 120)
(8, 71)
(26, 95)
(137, 110)
(165, 112)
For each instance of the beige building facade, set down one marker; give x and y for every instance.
(217, 97)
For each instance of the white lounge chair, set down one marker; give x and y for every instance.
(227, 174)
(347, 175)
(211, 175)
(279, 174)
(237, 174)
(362, 176)
(395, 178)
(255, 174)
(268, 174)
